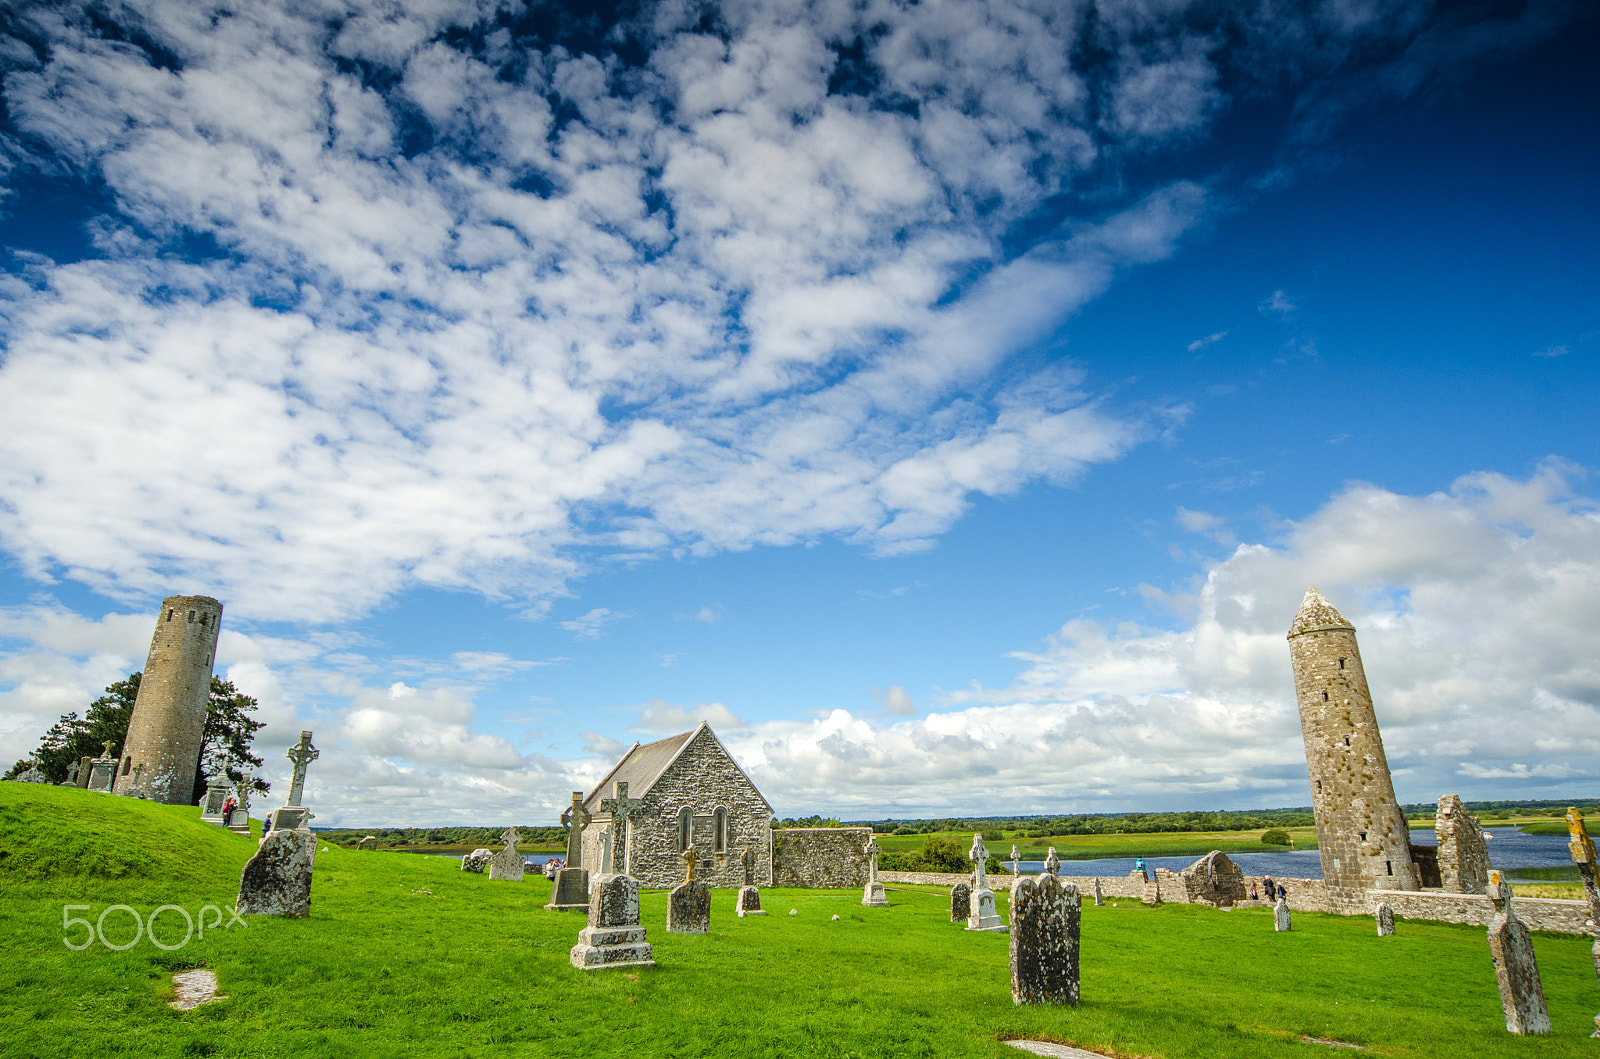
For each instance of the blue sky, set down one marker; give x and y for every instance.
(950, 403)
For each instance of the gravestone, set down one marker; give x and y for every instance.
(571, 888)
(31, 774)
(507, 863)
(1052, 863)
(613, 938)
(103, 770)
(1516, 971)
(1045, 915)
(477, 860)
(983, 915)
(749, 903)
(960, 902)
(239, 819)
(277, 880)
(371, 842)
(211, 805)
(85, 766)
(1385, 917)
(292, 813)
(72, 776)
(1280, 915)
(620, 806)
(689, 903)
(1581, 846)
(872, 895)
(1099, 898)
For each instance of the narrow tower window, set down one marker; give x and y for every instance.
(1324, 696)
(191, 617)
(1319, 785)
(722, 830)
(683, 828)
(1346, 740)
(1389, 864)
(171, 614)
(1363, 835)
(205, 619)
(1341, 663)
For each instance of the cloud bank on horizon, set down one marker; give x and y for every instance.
(484, 295)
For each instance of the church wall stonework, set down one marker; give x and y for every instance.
(1362, 833)
(162, 751)
(1463, 853)
(822, 858)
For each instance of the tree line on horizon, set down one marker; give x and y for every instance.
(224, 748)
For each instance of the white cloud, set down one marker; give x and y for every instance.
(895, 700)
(589, 626)
(1278, 302)
(659, 716)
(1200, 343)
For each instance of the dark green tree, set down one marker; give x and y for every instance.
(225, 747)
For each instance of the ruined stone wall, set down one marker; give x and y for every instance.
(1361, 831)
(1539, 913)
(1214, 880)
(162, 751)
(703, 778)
(821, 858)
(1463, 852)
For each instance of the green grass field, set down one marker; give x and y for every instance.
(406, 955)
(1096, 847)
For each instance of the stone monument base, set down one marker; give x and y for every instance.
(602, 948)
(571, 889)
(874, 897)
(290, 817)
(984, 916)
(750, 902)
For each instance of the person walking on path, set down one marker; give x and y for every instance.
(1267, 887)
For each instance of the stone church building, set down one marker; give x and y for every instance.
(689, 790)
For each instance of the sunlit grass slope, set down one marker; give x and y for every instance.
(406, 955)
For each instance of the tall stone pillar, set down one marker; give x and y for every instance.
(161, 755)
(1361, 830)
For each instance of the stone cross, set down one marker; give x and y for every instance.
(510, 837)
(619, 806)
(979, 855)
(1516, 971)
(1052, 863)
(243, 791)
(302, 754)
(688, 864)
(1582, 848)
(871, 852)
(748, 859)
(605, 851)
(107, 750)
(138, 770)
(575, 819)
(1016, 861)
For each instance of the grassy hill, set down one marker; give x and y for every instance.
(406, 955)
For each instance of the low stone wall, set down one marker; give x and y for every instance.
(1312, 895)
(1539, 913)
(820, 858)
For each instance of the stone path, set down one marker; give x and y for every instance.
(194, 988)
(1050, 1048)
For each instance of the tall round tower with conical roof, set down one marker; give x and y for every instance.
(162, 752)
(1361, 830)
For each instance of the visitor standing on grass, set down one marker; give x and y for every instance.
(1267, 887)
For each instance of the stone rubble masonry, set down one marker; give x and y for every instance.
(749, 903)
(1463, 853)
(1384, 914)
(821, 858)
(1362, 833)
(1213, 880)
(169, 714)
(960, 902)
(277, 880)
(689, 908)
(613, 937)
(703, 778)
(1045, 916)
(1516, 971)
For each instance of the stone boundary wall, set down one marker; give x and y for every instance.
(1312, 895)
(820, 858)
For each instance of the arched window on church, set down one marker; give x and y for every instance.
(685, 819)
(722, 829)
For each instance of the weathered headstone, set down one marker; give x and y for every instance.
(1099, 898)
(1385, 917)
(31, 774)
(1581, 846)
(1045, 915)
(1052, 863)
(72, 776)
(984, 916)
(103, 770)
(571, 888)
(1281, 919)
(506, 864)
(277, 880)
(620, 806)
(872, 895)
(1516, 971)
(85, 767)
(477, 860)
(292, 813)
(211, 805)
(960, 902)
(239, 819)
(613, 937)
(749, 903)
(689, 903)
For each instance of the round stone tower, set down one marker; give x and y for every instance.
(162, 751)
(1361, 831)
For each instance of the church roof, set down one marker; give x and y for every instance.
(643, 764)
(1317, 613)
